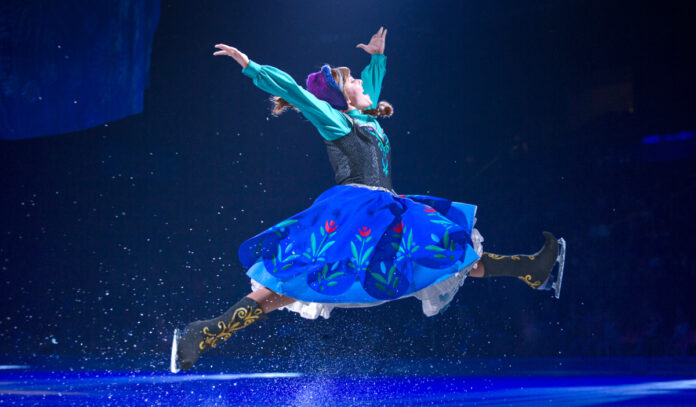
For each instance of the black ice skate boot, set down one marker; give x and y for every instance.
(201, 336)
(536, 270)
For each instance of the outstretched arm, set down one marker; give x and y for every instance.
(373, 74)
(331, 123)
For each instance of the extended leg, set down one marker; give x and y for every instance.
(535, 270)
(532, 268)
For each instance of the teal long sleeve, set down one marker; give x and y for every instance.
(331, 123)
(372, 77)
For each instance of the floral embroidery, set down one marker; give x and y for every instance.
(359, 259)
(329, 226)
(444, 251)
(389, 283)
(405, 250)
(280, 263)
(326, 281)
(314, 253)
(282, 225)
(437, 217)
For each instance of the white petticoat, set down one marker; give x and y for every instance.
(433, 298)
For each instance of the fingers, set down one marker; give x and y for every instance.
(380, 34)
(361, 45)
(226, 50)
(226, 47)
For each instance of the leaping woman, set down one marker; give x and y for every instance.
(360, 244)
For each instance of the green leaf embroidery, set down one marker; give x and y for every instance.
(391, 273)
(286, 223)
(326, 246)
(380, 286)
(446, 238)
(367, 254)
(440, 256)
(314, 243)
(285, 267)
(434, 248)
(395, 246)
(332, 283)
(378, 277)
(334, 275)
(354, 250)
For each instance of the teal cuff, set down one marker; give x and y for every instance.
(378, 58)
(252, 69)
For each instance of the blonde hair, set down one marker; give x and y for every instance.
(384, 108)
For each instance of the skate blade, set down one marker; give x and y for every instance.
(556, 286)
(173, 365)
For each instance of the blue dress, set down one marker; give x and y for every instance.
(360, 244)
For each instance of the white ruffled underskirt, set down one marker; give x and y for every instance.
(433, 298)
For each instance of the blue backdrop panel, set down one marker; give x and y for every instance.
(71, 64)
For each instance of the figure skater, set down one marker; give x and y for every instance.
(359, 244)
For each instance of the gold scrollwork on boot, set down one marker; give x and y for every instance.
(513, 257)
(227, 329)
(528, 280)
(494, 256)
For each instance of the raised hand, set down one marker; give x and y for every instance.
(233, 52)
(376, 45)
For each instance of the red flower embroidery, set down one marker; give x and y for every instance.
(364, 231)
(429, 209)
(329, 226)
(403, 196)
(399, 227)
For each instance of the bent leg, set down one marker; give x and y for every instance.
(269, 300)
(201, 336)
(478, 271)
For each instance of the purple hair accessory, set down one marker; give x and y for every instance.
(322, 85)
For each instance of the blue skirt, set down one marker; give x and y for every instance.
(356, 246)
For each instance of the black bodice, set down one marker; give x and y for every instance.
(361, 156)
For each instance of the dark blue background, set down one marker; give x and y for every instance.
(534, 110)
